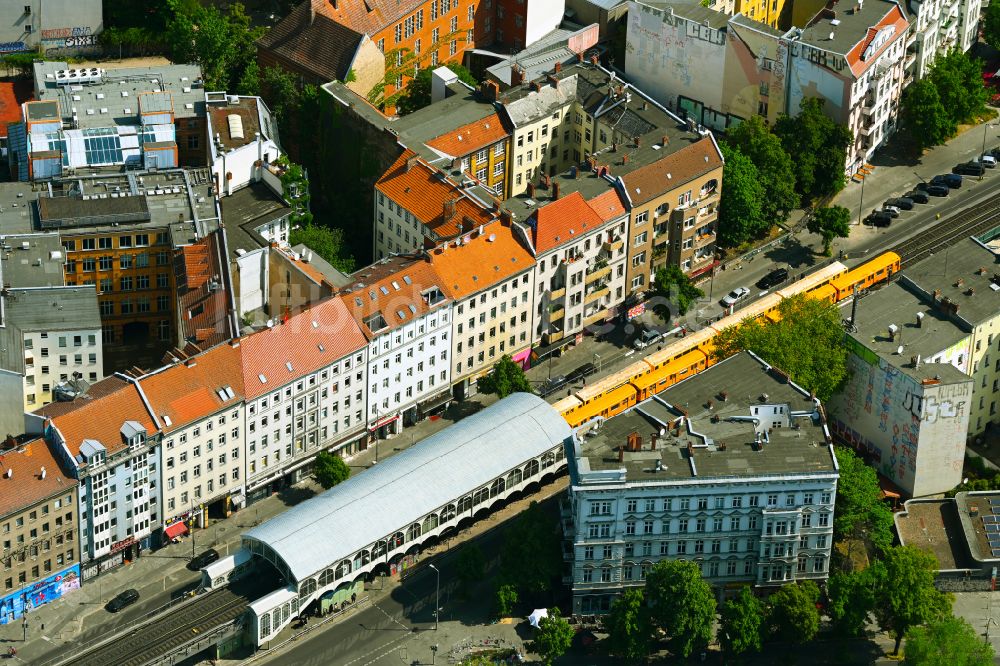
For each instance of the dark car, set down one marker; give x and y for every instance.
(952, 180)
(585, 370)
(902, 203)
(938, 190)
(124, 599)
(878, 219)
(553, 384)
(773, 279)
(917, 197)
(203, 560)
(970, 169)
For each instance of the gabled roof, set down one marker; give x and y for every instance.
(426, 192)
(608, 205)
(488, 258)
(895, 22)
(653, 180)
(471, 136)
(316, 42)
(398, 289)
(562, 221)
(366, 16)
(191, 390)
(304, 343)
(99, 415)
(25, 486)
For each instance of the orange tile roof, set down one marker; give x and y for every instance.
(608, 206)
(393, 288)
(893, 17)
(13, 92)
(648, 182)
(471, 137)
(204, 308)
(25, 487)
(424, 191)
(306, 342)
(367, 16)
(561, 221)
(186, 392)
(100, 415)
(487, 259)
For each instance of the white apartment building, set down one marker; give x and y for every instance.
(406, 317)
(241, 143)
(580, 271)
(490, 277)
(731, 468)
(199, 402)
(304, 387)
(938, 27)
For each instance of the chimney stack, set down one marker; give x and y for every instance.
(920, 319)
(579, 56)
(558, 67)
(555, 190)
(449, 210)
(531, 190)
(621, 453)
(536, 86)
(653, 436)
(516, 75)
(594, 59)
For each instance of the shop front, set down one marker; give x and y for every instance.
(434, 405)
(121, 553)
(30, 597)
(523, 358)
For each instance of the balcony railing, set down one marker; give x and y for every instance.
(596, 294)
(596, 273)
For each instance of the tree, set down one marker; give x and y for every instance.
(418, 91)
(851, 600)
(923, 117)
(741, 214)
(991, 25)
(681, 603)
(676, 288)
(531, 556)
(506, 377)
(947, 641)
(741, 625)
(792, 615)
(818, 147)
(959, 82)
(830, 222)
(860, 510)
(807, 343)
(506, 598)
(754, 139)
(223, 44)
(553, 637)
(330, 469)
(628, 627)
(470, 565)
(324, 241)
(905, 595)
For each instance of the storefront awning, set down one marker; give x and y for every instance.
(238, 499)
(176, 530)
(542, 352)
(435, 401)
(385, 420)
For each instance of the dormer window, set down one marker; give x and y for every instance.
(432, 296)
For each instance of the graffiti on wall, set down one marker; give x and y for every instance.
(13, 47)
(69, 37)
(37, 594)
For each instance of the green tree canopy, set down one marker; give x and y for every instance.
(742, 623)
(531, 556)
(818, 148)
(851, 600)
(959, 82)
(754, 138)
(506, 377)
(628, 626)
(830, 222)
(923, 117)
(327, 243)
(470, 564)
(553, 638)
(860, 511)
(947, 641)
(991, 25)
(224, 44)
(506, 599)
(741, 212)
(676, 288)
(792, 615)
(330, 469)
(807, 343)
(681, 603)
(418, 91)
(905, 595)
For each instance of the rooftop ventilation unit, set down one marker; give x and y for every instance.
(235, 126)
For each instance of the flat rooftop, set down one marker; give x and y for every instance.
(54, 309)
(934, 526)
(711, 437)
(849, 25)
(979, 516)
(32, 260)
(246, 210)
(230, 132)
(966, 274)
(17, 212)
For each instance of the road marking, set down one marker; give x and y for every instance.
(379, 608)
(405, 638)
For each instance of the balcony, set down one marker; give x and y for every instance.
(702, 240)
(597, 272)
(556, 313)
(611, 246)
(596, 294)
(557, 294)
(596, 318)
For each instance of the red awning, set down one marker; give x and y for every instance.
(384, 421)
(176, 530)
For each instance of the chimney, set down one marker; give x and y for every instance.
(546, 181)
(42, 474)
(555, 190)
(536, 86)
(410, 162)
(638, 141)
(665, 141)
(653, 436)
(937, 295)
(982, 270)
(625, 158)
(723, 396)
(621, 453)
(531, 190)
(449, 210)
(594, 59)
(558, 67)
(456, 164)
(516, 75)
(970, 291)
(959, 282)
(579, 56)
(634, 441)
(920, 319)
(490, 89)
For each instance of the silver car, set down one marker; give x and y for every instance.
(735, 296)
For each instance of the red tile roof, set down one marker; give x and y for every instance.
(561, 221)
(25, 486)
(471, 137)
(314, 42)
(13, 92)
(188, 391)
(488, 258)
(307, 341)
(424, 191)
(393, 288)
(893, 17)
(653, 180)
(608, 206)
(100, 415)
(204, 307)
(367, 16)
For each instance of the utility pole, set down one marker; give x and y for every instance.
(437, 596)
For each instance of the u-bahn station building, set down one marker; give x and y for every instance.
(376, 522)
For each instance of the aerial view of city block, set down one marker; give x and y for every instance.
(383, 332)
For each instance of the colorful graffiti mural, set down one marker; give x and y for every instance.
(38, 594)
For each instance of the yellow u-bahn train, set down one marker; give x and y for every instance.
(692, 353)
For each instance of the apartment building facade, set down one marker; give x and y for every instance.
(40, 561)
(751, 506)
(481, 150)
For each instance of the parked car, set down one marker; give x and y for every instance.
(124, 599)
(938, 190)
(917, 197)
(969, 169)
(646, 338)
(585, 370)
(773, 279)
(203, 560)
(902, 203)
(553, 384)
(878, 218)
(735, 296)
(891, 211)
(989, 161)
(951, 180)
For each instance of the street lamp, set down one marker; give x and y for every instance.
(861, 204)
(24, 626)
(986, 127)
(437, 596)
